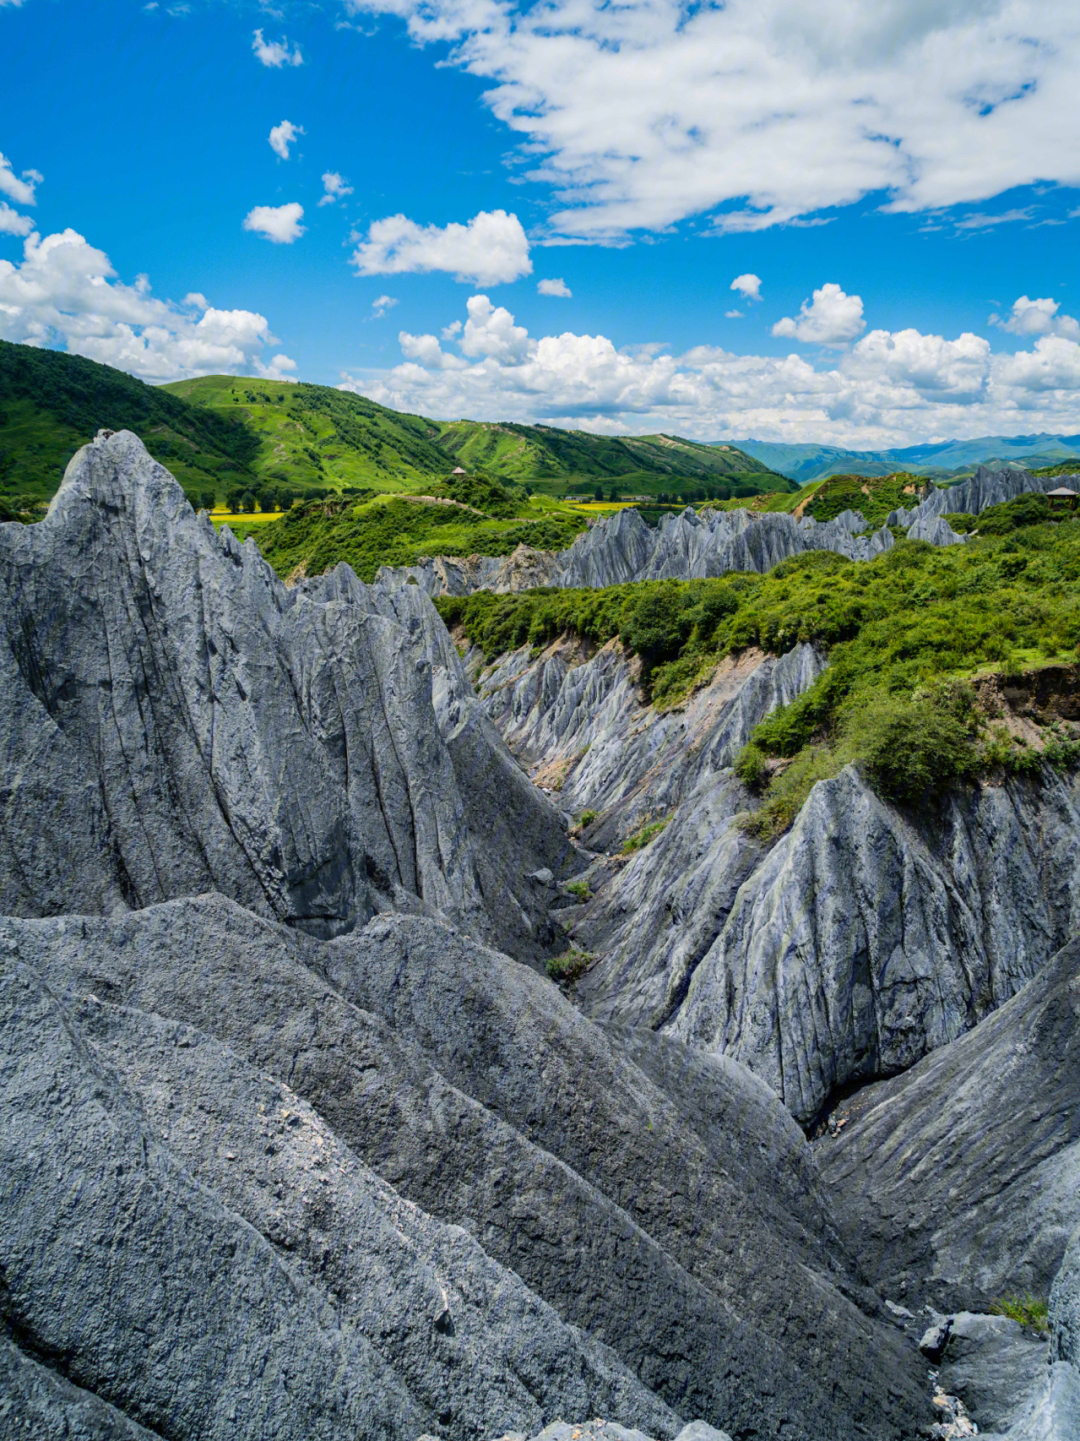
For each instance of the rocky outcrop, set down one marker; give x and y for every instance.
(622, 548)
(853, 946)
(971, 497)
(961, 1175)
(579, 725)
(846, 951)
(960, 1178)
(201, 1094)
(175, 720)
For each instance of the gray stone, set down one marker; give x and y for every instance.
(994, 1367)
(175, 720)
(474, 1088)
(959, 1178)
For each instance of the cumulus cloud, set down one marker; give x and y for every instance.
(65, 293)
(491, 249)
(889, 388)
(1038, 317)
(335, 186)
(766, 111)
(12, 223)
(275, 53)
(831, 318)
(279, 364)
(282, 136)
(381, 305)
(279, 223)
(555, 287)
(748, 286)
(21, 190)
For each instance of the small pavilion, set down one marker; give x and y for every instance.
(1062, 499)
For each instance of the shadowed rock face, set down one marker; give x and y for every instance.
(960, 1177)
(669, 1209)
(174, 720)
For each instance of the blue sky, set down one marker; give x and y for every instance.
(889, 174)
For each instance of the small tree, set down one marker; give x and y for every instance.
(207, 499)
(598, 493)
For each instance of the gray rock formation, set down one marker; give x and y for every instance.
(621, 548)
(175, 720)
(971, 497)
(480, 1094)
(960, 1176)
(994, 1366)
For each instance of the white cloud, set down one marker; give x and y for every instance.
(282, 136)
(748, 286)
(490, 250)
(1038, 317)
(888, 388)
(981, 221)
(275, 53)
(555, 287)
(336, 187)
(381, 305)
(767, 111)
(831, 318)
(65, 293)
(20, 190)
(276, 369)
(279, 223)
(12, 223)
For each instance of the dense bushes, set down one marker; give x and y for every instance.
(898, 632)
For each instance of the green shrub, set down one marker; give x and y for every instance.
(570, 966)
(643, 836)
(909, 749)
(579, 889)
(586, 818)
(1028, 1310)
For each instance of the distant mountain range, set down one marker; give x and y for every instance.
(942, 460)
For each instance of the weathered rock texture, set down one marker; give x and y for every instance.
(961, 1176)
(985, 488)
(622, 548)
(175, 720)
(200, 1095)
(854, 945)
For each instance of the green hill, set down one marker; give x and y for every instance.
(225, 437)
(50, 404)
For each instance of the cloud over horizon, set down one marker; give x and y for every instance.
(65, 292)
(888, 388)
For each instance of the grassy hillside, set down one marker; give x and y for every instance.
(473, 516)
(50, 404)
(314, 435)
(908, 636)
(533, 452)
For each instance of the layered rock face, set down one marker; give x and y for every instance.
(960, 1179)
(985, 488)
(622, 1230)
(176, 720)
(854, 945)
(690, 546)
